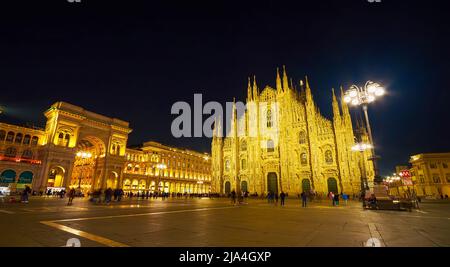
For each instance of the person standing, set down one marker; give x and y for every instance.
(233, 197)
(336, 200)
(282, 197)
(304, 197)
(331, 197)
(71, 196)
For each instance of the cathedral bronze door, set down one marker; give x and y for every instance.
(306, 185)
(227, 188)
(272, 183)
(332, 185)
(244, 186)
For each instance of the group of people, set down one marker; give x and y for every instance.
(336, 197)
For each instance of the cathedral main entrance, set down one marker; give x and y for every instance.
(332, 185)
(272, 182)
(306, 185)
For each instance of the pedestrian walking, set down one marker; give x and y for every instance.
(25, 193)
(71, 196)
(282, 197)
(336, 200)
(331, 197)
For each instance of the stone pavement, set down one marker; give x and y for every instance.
(215, 222)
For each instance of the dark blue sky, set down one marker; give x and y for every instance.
(134, 59)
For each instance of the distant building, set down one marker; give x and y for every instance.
(431, 174)
(79, 148)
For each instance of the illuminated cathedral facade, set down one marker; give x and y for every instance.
(281, 142)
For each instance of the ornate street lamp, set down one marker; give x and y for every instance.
(362, 96)
(361, 147)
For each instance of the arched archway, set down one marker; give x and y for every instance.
(88, 150)
(112, 180)
(126, 185)
(332, 185)
(56, 177)
(227, 187)
(272, 182)
(8, 176)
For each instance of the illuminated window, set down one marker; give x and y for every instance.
(270, 146)
(34, 140)
(10, 152)
(66, 139)
(436, 179)
(421, 179)
(10, 137)
(18, 139)
(26, 139)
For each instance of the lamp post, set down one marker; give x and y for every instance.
(160, 167)
(363, 96)
(82, 156)
(361, 147)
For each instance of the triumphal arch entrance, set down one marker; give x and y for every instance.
(84, 150)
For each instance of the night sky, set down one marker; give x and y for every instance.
(134, 59)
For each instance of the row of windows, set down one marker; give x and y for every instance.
(18, 138)
(434, 165)
(303, 160)
(12, 152)
(436, 178)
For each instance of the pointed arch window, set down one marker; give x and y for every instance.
(302, 137)
(269, 118)
(328, 157)
(303, 159)
(270, 146)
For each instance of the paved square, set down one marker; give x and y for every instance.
(215, 222)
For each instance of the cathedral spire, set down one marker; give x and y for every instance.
(255, 89)
(309, 97)
(285, 80)
(345, 110)
(278, 82)
(249, 91)
(336, 110)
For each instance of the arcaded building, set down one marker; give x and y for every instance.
(79, 148)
